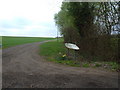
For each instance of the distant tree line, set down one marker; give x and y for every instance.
(89, 25)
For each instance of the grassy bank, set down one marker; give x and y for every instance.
(56, 52)
(13, 41)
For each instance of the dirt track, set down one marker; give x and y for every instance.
(24, 68)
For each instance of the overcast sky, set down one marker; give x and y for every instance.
(28, 17)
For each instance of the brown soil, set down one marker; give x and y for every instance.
(23, 67)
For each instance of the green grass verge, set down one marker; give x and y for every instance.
(52, 48)
(13, 41)
(56, 52)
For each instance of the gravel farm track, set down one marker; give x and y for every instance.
(23, 67)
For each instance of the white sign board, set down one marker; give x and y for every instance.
(71, 46)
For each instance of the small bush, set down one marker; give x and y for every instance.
(86, 65)
(98, 65)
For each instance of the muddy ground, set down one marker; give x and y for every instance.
(23, 67)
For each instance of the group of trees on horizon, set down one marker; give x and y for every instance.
(89, 25)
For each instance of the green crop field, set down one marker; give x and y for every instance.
(13, 41)
(0, 39)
